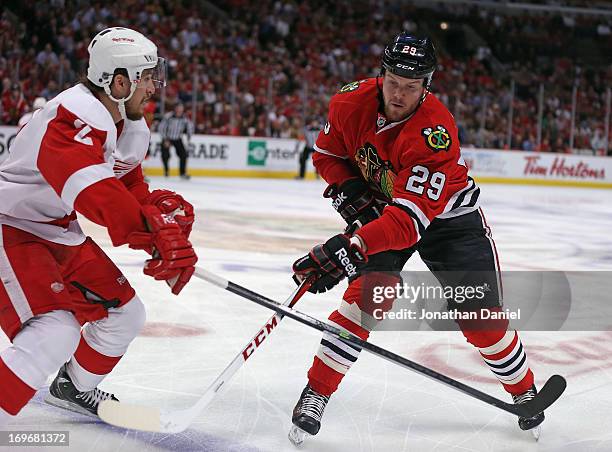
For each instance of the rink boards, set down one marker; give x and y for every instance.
(228, 156)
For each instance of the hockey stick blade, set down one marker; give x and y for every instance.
(551, 391)
(152, 419)
(546, 396)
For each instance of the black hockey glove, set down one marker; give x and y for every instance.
(354, 201)
(330, 262)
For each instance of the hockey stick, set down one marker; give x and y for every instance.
(550, 392)
(153, 419)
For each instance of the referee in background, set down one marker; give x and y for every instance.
(311, 132)
(171, 129)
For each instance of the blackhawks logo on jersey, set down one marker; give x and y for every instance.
(349, 87)
(375, 170)
(437, 139)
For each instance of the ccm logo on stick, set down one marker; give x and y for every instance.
(259, 338)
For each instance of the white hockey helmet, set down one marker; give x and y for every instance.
(39, 103)
(121, 48)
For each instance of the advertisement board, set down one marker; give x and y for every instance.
(490, 165)
(217, 155)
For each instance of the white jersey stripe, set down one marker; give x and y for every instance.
(470, 186)
(416, 229)
(458, 212)
(83, 178)
(414, 208)
(468, 196)
(11, 284)
(323, 151)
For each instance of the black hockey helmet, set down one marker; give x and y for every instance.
(411, 57)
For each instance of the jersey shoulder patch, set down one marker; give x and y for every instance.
(350, 87)
(437, 138)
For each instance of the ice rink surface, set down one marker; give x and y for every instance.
(250, 231)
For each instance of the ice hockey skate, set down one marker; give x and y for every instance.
(63, 394)
(531, 423)
(307, 415)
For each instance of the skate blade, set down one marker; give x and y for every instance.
(297, 435)
(536, 431)
(52, 400)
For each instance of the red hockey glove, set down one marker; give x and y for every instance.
(174, 205)
(173, 255)
(354, 201)
(330, 262)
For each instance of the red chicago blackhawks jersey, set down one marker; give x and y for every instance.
(415, 165)
(67, 158)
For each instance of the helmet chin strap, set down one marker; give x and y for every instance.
(424, 96)
(121, 102)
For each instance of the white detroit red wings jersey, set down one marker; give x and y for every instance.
(415, 165)
(67, 158)
(132, 146)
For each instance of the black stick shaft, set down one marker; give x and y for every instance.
(548, 395)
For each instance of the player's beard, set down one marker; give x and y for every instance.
(395, 113)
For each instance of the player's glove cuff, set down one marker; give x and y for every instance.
(330, 262)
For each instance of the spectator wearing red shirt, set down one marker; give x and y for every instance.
(13, 105)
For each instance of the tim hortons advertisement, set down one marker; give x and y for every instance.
(514, 166)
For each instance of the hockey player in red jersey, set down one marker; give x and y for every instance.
(391, 156)
(82, 153)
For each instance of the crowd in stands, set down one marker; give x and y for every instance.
(268, 67)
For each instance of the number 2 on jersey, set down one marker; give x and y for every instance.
(80, 136)
(416, 182)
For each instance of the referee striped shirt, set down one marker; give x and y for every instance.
(310, 135)
(173, 127)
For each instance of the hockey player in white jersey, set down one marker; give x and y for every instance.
(82, 153)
